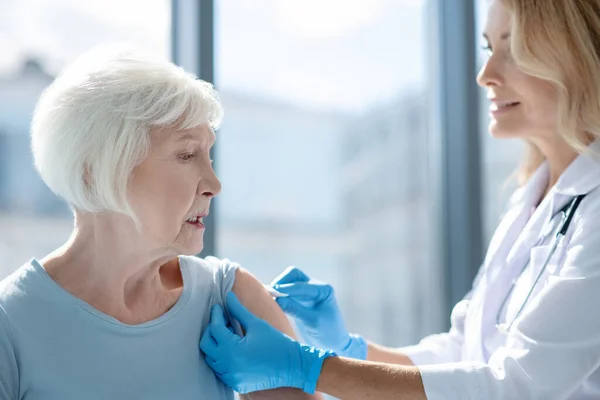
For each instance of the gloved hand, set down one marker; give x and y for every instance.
(263, 359)
(317, 314)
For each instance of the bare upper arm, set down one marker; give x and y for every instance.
(259, 302)
(255, 298)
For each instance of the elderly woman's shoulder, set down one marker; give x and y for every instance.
(208, 264)
(14, 287)
(220, 272)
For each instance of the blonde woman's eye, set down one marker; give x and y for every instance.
(487, 49)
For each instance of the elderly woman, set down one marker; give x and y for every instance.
(117, 312)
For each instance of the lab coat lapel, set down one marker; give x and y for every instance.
(509, 236)
(500, 261)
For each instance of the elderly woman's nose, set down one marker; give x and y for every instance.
(209, 185)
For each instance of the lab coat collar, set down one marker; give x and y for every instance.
(582, 175)
(535, 186)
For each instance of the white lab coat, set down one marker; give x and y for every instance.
(553, 349)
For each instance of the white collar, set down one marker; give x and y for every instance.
(582, 175)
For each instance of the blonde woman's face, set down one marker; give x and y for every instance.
(522, 106)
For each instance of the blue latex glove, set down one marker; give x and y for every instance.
(317, 315)
(263, 359)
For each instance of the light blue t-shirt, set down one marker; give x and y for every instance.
(56, 346)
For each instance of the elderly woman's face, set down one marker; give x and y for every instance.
(171, 190)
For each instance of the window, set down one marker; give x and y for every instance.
(323, 115)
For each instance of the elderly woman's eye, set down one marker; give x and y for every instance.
(187, 156)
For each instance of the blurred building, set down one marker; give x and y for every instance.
(33, 221)
(21, 190)
(385, 178)
(281, 196)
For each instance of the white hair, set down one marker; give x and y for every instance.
(92, 125)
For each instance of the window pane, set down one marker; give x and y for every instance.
(323, 153)
(38, 38)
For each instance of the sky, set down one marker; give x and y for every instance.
(338, 54)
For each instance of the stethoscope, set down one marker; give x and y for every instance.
(567, 212)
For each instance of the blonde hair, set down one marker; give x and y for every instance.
(559, 41)
(92, 125)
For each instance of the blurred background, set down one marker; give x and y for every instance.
(354, 144)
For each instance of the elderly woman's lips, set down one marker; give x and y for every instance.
(196, 222)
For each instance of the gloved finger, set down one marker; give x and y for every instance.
(221, 376)
(239, 312)
(207, 339)
(306, 291)
(216, 366)
(222, 336)
(207, 344)
(210, 361)
(217, 316)
(290, 275)
(230, 328)
(219, 325)
(293, 308)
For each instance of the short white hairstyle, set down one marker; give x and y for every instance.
(92, 125)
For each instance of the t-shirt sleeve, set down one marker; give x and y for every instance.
(224, 277)
(9, 374)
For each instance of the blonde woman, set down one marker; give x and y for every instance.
(530, 327)
(117, 312)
